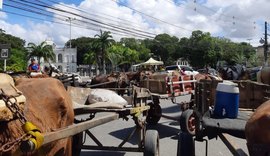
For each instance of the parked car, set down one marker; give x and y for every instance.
(186, 69)
(210, 71)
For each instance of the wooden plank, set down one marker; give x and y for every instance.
(232, 146)
(180, 82)
(77, 128)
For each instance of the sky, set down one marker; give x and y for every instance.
(39, 20)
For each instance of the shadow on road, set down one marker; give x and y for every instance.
(102, 153)
(165, 131)
(123, 133)
(174, 108)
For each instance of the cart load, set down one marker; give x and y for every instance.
(171, 84)
(94, 102)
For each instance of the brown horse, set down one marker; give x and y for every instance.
(49, 107)
(199, 77)
(257, 131)
(113, 80)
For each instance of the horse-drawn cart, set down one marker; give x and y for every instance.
(136, 108)
(168, 87)
(200, 121)
(148, 141)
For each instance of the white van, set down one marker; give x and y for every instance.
(186, 69)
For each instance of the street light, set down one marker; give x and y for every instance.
(249, 39)
(70, 19)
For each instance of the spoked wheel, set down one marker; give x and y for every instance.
(151, 143)
(154, 114)
(188, 122)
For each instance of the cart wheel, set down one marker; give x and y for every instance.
(151, 143)
(185, 145)
(154, 114)
(187, 121)
(76, 144)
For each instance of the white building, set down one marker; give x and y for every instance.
(66, 58)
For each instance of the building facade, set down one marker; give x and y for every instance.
(66, 59)
(260, 55)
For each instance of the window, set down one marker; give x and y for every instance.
(172, 68)
(60, 58)
(73, 59)
(67, 57)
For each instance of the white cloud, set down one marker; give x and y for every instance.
(232, 19)
(3, 15)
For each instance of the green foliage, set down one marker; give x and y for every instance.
(18, 54)
(84, 45)
(101, 43)
(14, 42)
(17, 61)
(43, 50)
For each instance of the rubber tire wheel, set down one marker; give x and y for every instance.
(154, 114)
(185, 145)
(76, 144)
(184, 119)
(151, 143)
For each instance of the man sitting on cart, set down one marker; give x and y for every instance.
(34, 68)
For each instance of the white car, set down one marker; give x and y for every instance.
(186, 69)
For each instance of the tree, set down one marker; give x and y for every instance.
(122, 56)
(83, 45)
(18, 53)
(42, 50)
(90, 58)
(17, 60)
(102, 42)
(164, 47)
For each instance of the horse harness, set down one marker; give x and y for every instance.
(11, 107)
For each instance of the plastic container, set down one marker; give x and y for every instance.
(227, 100)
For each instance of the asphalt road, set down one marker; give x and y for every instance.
(112, 133)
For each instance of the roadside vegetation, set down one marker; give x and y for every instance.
(199, 49)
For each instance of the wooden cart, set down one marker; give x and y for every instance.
(168, 87)
(199, 123)
(148, 141)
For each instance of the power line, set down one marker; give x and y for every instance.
(232, 19)
(100, 24)
(91, 19)
(157, 19)
(128, 22)
(64, 23)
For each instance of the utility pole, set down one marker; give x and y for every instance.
(265, 45)
(70, 19)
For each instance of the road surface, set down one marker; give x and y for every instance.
(111, 134)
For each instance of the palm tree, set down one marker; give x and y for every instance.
(91, 58)
(102, 42)
(115, 59)
(43, 50)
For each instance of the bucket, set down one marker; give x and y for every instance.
(227, 100)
